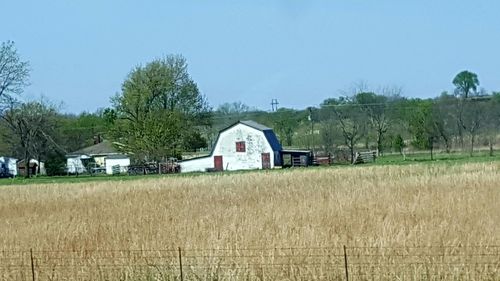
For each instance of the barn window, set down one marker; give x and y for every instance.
(240, 146)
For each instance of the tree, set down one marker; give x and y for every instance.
(349, 119)
(443, 119)
(376, 108)
(286, 121)
(466, 83)
(492, 120)
(158, 108)
(32, 125)
(399, 144)
(234, 108)
(423, 126)
(14, 73)
(84, 129)
(472, 119)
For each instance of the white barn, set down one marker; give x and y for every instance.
(245, 145)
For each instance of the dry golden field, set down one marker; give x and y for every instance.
(415, 222)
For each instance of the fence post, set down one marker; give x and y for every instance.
(180, 263)
(345, 263)
(32, 265)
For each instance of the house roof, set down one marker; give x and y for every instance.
(117, 156)
(103, 148)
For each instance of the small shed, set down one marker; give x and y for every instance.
(117, 160)
(296, 158)
(244, 145)
(8, 166)
(36, 167)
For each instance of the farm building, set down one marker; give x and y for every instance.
(8, 167)
(244, 145)
(98, 158)
(36, 168)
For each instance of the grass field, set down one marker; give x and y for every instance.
(456, 158)
(416, 222)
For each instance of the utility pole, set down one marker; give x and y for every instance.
(274, 104)
(310, 118)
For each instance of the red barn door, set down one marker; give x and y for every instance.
(266, 161)
(218, 163)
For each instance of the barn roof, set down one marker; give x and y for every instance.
(268, 132)
(255, 125)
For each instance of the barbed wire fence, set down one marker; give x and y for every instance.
(321, 263)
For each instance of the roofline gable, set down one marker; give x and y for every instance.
(249, 123)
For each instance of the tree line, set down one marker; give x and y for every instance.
(160, 113)
(386, 121)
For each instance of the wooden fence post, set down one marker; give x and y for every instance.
(32, 265)
(180, 263)
(345, 263)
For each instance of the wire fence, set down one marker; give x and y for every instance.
(321, 263)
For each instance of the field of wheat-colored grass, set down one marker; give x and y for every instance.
(419, 221)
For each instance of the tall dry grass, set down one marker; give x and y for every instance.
(382, 207)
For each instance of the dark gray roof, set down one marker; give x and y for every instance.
(117, 156)
(103, 148)
(255, 125)
(268, 133)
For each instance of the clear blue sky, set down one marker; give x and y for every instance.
(299, 52)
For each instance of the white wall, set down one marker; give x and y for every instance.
(75, 165)
(123, 162)
(197, 165)
(255, 144)
(10, 164)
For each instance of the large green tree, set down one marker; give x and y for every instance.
(159, 110)
(422, 125)
(466, 83)
(286, 122)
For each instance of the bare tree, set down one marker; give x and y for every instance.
(349, 118)
(492, 121)
(31, 125)
(444, 120)
(352, 125)
(472, 119)
(378, 111)
(14, 73)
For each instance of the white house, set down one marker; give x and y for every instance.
(8, 166)
(100, 157)
(244, 145)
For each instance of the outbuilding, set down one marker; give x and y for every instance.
(244, 145)
(35, 168)
(8, 167)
